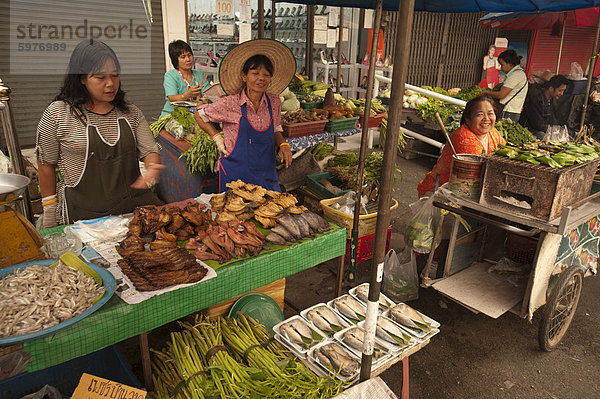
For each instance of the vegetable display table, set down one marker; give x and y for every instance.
(299, 143)
(117, 321)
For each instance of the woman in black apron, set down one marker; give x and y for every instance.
(95, 138)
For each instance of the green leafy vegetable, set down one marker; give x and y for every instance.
(203, 155)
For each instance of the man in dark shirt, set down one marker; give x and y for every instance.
(538, 110)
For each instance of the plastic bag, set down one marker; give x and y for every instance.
(557, 133)
(347, 201)
(47, 392)
(5, 165)
(175, 128)
(576, 72)
(420, 231)
(400, 276)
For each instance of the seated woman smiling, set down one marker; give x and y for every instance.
(476, 135)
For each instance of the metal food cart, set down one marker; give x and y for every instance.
(566, 251)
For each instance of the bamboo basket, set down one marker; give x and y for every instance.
(366, 223)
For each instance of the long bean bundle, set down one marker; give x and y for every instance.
(232, 359)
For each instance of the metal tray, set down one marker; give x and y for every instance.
(11, 183)
(108, 281)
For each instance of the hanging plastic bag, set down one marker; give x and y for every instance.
(557, 133)
(576, 72)
(420, 231)
(175, 128)
(400, 276)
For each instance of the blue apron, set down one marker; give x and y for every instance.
(253, 156)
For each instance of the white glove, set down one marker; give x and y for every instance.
(218, 139)
(150, 178)
(49, 215)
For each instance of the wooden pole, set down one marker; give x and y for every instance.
(338, 85)
(310, 15)
(273, 9)
(591, 65)
(405, 21)
(261, 19)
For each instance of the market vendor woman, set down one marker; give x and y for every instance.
(95, 138)
(476, 135)
(252, 74)
(184, 82)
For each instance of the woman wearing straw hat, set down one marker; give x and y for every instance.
(252, 74)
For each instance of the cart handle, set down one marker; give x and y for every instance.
(504, 226)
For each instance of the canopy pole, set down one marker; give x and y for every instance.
(261, 19)
(339, 55)
(363, 140)
(273, 9)
(562, 39)
(310, 15)
(591, 65)
(402, 49)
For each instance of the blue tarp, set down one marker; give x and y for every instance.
(463, 5)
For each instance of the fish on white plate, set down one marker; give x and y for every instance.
(333, 357)
(324, 318)
(390, 332)
(350, 308)
(355, 338)
(300, 333)
(408, 317)
(362, 292)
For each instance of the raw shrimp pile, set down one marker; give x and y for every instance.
(39, 297)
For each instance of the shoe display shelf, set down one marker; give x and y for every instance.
(328, 72)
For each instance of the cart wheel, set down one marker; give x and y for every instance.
(560, 308)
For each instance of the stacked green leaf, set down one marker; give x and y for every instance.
(555, 155)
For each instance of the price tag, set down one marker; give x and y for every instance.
(225, 7)
(92, 387)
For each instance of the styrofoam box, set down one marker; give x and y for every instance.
(297, 348)
(353, 377)
(383, 307)
(342, 321)
(332, 304)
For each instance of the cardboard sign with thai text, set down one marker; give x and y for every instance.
(92, 387)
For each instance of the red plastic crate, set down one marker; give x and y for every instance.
(303, 129)
(365, 247)
(374, 120)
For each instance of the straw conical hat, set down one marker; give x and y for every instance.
(284, 64)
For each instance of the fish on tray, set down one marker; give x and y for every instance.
(325, 319)
(355, 338)
(333, 357)
(408, 317)
(390, 332)
(362, 292)
(350, 308)
(300, 333)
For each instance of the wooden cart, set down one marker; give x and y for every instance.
(566, 251)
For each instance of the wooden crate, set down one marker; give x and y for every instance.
(275, 290)
(542, 191)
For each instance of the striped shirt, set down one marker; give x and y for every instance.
(62, 139)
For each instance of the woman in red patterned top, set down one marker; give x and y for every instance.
(476, 135)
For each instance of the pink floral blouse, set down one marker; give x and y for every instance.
(227, 110)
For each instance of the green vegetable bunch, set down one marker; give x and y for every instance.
(427, 110)
(470, 93)
(203, 155)
(514, 133)
(383, 134)
(321, 150)
(181, 115)
(438, 90)
(347, 159)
